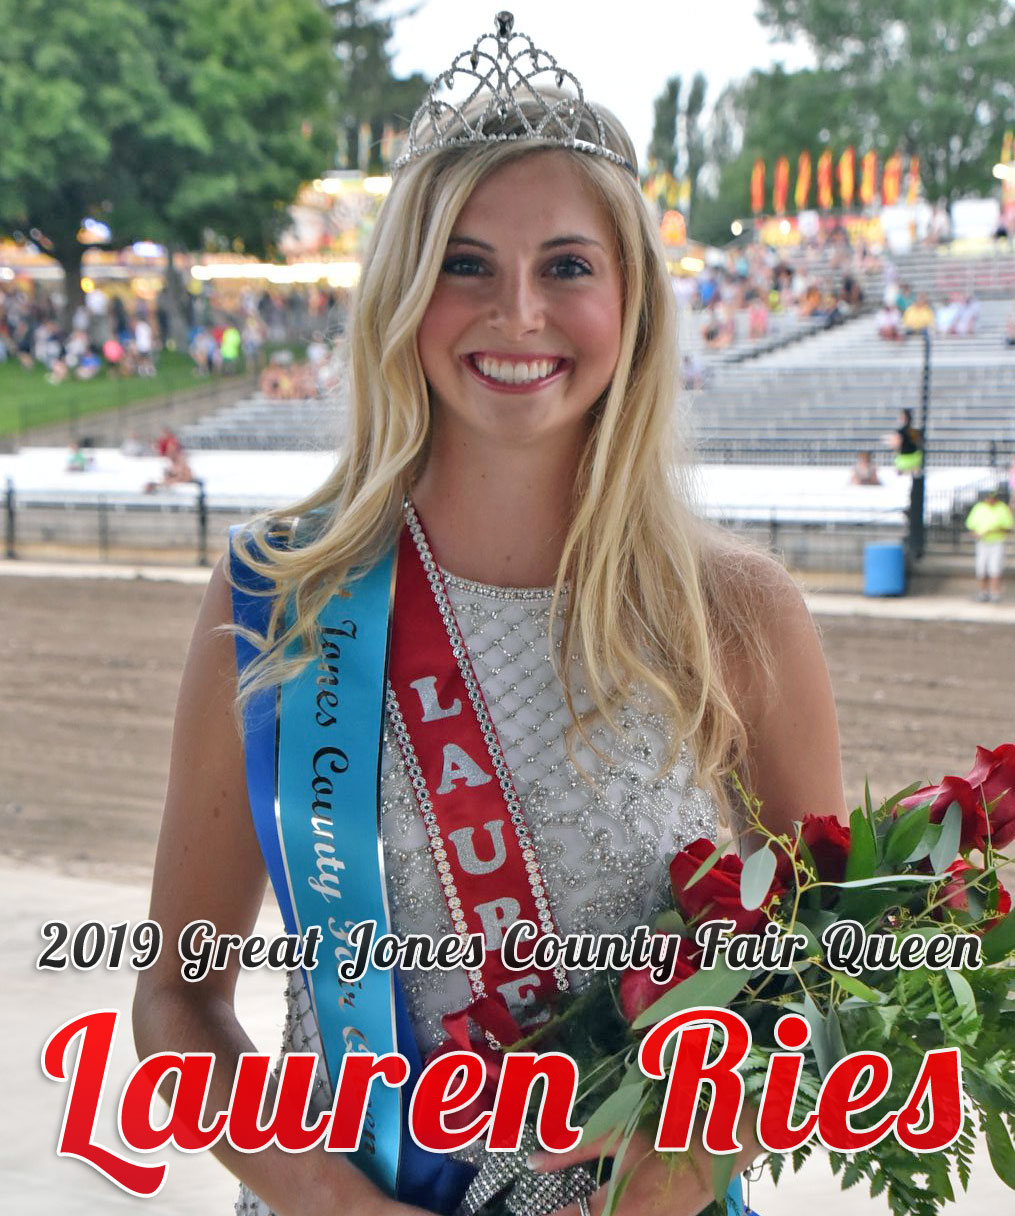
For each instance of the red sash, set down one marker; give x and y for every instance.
(485, 858)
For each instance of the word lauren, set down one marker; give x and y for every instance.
(929, 1121)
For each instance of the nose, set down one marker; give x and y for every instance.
(518, 305)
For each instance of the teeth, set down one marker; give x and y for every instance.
(515, 373)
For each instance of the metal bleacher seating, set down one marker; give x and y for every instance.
(261, 423)
(838, 391)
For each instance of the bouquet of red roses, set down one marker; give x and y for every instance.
(888, 943)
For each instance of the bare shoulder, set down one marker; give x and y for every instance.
(776, 674)
(754, 604)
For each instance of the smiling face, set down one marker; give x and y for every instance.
(522, 333)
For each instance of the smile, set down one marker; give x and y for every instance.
(515, 373)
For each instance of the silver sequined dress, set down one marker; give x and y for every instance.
(603, 847)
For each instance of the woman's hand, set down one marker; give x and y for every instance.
(661, 1184)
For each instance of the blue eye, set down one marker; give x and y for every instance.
(570, 266)
(463, 264)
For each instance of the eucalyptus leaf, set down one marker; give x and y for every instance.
(722, 1174)
(705, 866)
(821, 1042)
(858, 988)
(614, 1111)
(963, 993)
(882, 880)
(947, 848)
(671, 921)
(716, 987)
(756, 878)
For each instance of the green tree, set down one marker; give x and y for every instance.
(770, 114)
(935, 78)
(174, 120)
(678, 140)
(663, 149)
(694, 136)
(370, 95)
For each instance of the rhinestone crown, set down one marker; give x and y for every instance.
(501, 91)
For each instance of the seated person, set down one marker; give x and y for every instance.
(889, 323)
(865, 471)
(919, 316)
(967, 317)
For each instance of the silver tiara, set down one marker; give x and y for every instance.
(500, 92)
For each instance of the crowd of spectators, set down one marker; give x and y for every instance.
(904, 312)
(819, 281)
(115, 332)
(103, 333)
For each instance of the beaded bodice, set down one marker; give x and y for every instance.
(603, 839)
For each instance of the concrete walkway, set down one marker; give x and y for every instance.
(35, 1182)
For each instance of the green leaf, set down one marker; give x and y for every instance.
(963, 993)
(670, 921)
(999, 1146)
(614, 1111)
(863, 853)
(947, 848)
(722, 1172)
(891, 803)
(716, 987)
(821, 1041)
(905, 838)
(756, 878)
(859, 988)
(999, 942)
(705, 866)
(882, 880)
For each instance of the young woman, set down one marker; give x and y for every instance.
(578, 666)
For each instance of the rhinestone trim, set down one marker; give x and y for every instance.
(414, 770)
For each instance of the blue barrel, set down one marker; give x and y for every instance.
(884, 570)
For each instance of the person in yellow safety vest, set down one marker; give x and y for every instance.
(991, 521)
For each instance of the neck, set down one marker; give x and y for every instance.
(498, 517)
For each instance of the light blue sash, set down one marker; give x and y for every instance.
(327, 818)
(325, 861)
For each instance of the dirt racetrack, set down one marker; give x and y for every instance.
(89, 668)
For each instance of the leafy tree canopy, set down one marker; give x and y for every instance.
(931, 78)
(935, 78)
(167, 120)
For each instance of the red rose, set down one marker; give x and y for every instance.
(992, 779)
(638, 989)
(973, 833)
(716, 896)
(828, 841)
(955, 893)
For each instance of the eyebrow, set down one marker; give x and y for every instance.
(553, 243)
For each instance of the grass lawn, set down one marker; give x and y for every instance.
(27, 400)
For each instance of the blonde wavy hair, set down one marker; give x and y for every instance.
(648, 609)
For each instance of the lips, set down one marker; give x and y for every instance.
(515, 374)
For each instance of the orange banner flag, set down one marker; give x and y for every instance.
(825, 180)
(847, 170)
(803, 181)
(780, 190)
(869, 177)
(891, 180)
(758, 186)
(913, 182)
